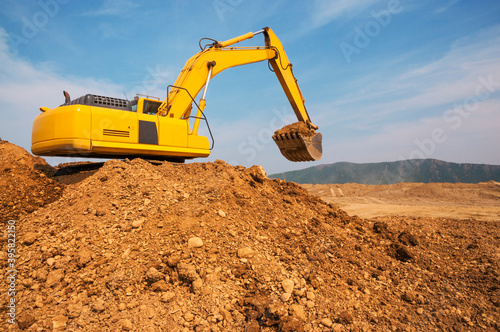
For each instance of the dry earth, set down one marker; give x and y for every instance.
(140, 246)
(448, 200)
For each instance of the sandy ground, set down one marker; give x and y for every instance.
(440, 200)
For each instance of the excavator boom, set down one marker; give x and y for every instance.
(305, 145)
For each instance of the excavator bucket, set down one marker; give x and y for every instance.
(299, 144)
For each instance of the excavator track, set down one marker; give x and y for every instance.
(297, 146)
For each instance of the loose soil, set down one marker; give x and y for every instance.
(296, 127)
(24, 182)
(140, 246)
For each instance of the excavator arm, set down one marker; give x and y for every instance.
(297, 142)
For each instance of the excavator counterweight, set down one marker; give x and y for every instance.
(106, 127)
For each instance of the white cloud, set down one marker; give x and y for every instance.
(113, 8)
(325, 11)
(450, 79)
(445, 7)
(471, 138)
(381, 105)
(25, 87)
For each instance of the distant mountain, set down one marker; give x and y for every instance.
(415, 170)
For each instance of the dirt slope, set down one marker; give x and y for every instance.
(211, 247)
(24, 185)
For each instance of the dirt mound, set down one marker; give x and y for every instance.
(213, 247)
(24, 185)
(11, 154)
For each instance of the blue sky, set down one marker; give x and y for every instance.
(384, 80)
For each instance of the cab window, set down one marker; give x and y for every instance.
(150, 107)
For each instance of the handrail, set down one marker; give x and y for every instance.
(192, 117)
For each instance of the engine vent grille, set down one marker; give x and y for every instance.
(118, 133)
(110, 102)
(102, 101)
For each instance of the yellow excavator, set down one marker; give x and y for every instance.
(146, 127)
